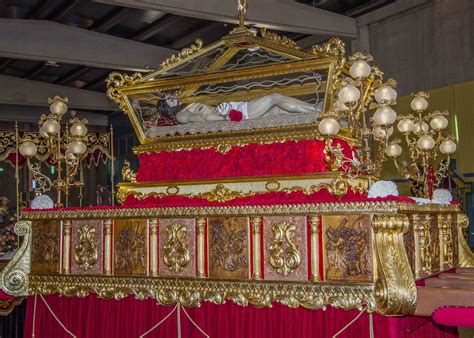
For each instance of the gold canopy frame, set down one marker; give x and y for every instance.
(327, 58)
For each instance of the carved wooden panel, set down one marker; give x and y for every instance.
(45, 250)
(454, 234)
(347, 244)
(228, 247)
(285, 248)
(130, 247)
(177, 241)
(86, 247)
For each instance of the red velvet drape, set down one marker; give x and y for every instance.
(128, 318)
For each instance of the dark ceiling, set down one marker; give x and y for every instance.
(146, 26)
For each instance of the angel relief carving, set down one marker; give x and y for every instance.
(130, 248)
(228, 248)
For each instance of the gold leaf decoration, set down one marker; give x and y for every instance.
(127, 173)
(183, 54)
(223, 194)
(332, 47)
(284, 255)
(176, 254)
(86, 252)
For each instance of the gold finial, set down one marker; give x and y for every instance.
(242, 6)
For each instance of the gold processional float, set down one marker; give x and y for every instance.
(258, 90)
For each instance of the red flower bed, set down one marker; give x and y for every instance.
(291, 157)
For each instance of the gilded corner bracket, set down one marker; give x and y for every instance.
(14, 278)
(395, 290)
(466, 257)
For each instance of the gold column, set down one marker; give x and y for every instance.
(200, 224)
(107, 246)
(256, 222)
(66, 246)
(440, 221)
(313, 230)
(153, 247)
(448, 242)
(417, 231)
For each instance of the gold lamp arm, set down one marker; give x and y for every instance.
(44, 182)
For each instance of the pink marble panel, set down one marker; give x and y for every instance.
(300, 273)
(189, 269)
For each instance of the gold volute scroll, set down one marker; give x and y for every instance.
(284, 255)
(175, 253)
(466, 257)
(86, 251)
(127, 173)
(395, 290)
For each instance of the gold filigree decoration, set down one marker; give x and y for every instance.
(175, 252)
(191, 292)
(332, 47)
(395, 289)
(127, 173)
(466, 257)
(278, 39)
(185, 52)
(284, 255)
(86, 252)
(115, 81)
(222, 194)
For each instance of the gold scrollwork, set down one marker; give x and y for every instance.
(466, 257)
(395, 290)
(86, 252)
(223, 194)
(14, 278)
(114, 81)
(332, 47)
(193, 48)
(175, 252)
(284, 255)
(127, 173)
(278, 39)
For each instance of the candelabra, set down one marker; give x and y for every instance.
(358, 89)
(423, 135)
(67, 149)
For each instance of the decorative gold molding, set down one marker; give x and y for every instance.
(191, 292)
(15, 277)
(466, 257)
(278, 39)
(240, 210)
(115, 81)
(222, 194)
(332, 47)
(395, 290)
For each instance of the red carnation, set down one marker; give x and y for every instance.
(235, 115)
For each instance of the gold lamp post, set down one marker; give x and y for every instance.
(66, 150)
(430, 150)
(358, 90)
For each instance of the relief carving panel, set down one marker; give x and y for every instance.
(130, 247)
(409, 241)
(435, 248)
(347, 243)
(285, 248)
(177, 247)
(45, 246)
(86, 247)
(228, 247)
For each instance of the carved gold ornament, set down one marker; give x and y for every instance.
(223, 194)
(332, 47)
(86, 252)
(466, 257)
(175, 58)
(114, 81)
(175, 253)
(127, 173)
(283, 253)
(278, 39)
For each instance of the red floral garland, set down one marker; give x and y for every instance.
(286, 158)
